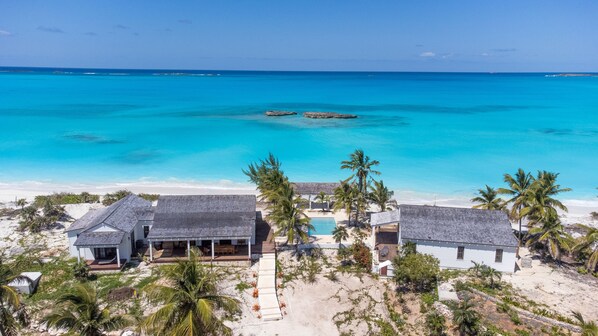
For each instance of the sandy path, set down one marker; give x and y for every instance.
(562, 290)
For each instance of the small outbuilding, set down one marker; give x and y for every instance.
(26, 283)
(455, 236)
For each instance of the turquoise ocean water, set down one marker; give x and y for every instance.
(446, 133)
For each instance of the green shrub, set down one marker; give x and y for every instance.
(582, 270)
(149, 197)
(242, 286)
(362, 255)
(418, 271)
(435, 324)
(81, 270)
(111, 198)
(65, 198)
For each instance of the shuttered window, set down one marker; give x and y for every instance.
(498, 257)
(460, 252)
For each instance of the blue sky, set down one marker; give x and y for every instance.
(459, 35)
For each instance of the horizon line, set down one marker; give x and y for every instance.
(299, 71)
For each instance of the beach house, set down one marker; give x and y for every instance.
(455, 236)
(222, 227)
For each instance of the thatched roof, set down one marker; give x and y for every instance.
(102, 238)
(458, 225)
(121, 215)
(314, 188)
(204, 217)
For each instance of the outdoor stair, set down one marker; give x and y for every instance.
(266, 285)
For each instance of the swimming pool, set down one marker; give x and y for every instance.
(322, 226)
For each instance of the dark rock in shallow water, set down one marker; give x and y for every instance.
(279, 113)
(328, 115)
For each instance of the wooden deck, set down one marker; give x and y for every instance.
(387, 237)
(94, 266)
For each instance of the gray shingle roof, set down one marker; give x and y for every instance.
(314, 188)
(459, 225)
(204, 217)
(121, 215)
(387, 217)
(103, 238)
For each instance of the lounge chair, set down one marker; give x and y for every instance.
(384, 251)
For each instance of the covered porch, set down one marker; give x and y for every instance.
(101, 250)
(385, 236)
(169, 250)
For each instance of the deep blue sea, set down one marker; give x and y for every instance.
(445, 133)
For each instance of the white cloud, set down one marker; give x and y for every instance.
(484, 54)
(427, 54)
(5, 33)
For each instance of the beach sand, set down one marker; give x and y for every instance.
(579, 210)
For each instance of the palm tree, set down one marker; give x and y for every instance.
(435, 324)
(551, 235)
(492, 275)
(585, 243)
(80, 313)
(362, 168)
(589, 328)
(12, 311)
(488, 200)
(518, 188)
(289, 217)
(267, 176)
(190, 300)
(380, 195)
(477, 269)
(466, 319)
(322, 198)
(540, 201)
(345, 196)
(339, 234)
(21, 202)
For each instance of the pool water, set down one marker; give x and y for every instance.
(322, 226)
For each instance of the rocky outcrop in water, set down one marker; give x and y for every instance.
(279, 113)
(328, 115)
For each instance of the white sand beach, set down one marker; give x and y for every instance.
(579, 210)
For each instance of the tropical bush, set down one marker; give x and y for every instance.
(66, 198)
(361, 255)
(416, 270)
(111, 198)
(78, 310)
(435, 324)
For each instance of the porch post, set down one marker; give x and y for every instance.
(78, 255)
(309, 200)
(188, 249)
(118, 257)
(212, 249)
(151, 247)
(249, 245)
(373, 237)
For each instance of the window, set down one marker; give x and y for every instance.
(498, 257)
(460, 252)
(145, 231)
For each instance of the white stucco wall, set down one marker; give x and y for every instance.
(87, 253)
(446, 253)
